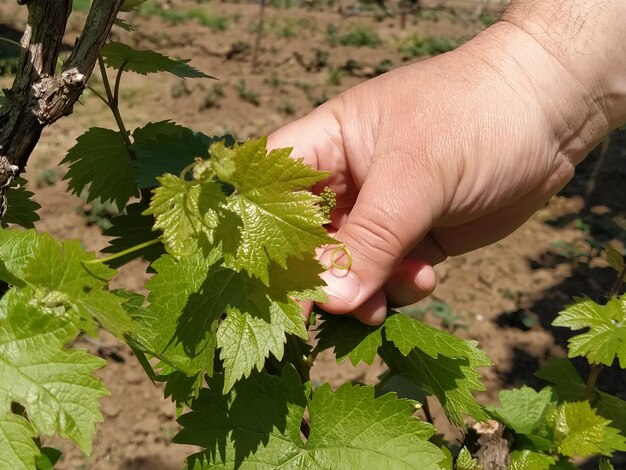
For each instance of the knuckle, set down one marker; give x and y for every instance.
(374, 237)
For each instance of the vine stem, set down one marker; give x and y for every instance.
(113, 104)
(122, 253)
(591, 380)
(302, 365)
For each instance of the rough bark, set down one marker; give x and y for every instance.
(39, 95)
(492, 448)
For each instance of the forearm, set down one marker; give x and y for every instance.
(587, 41)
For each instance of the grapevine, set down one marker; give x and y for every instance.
(229, 231)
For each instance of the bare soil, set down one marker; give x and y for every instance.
(505, 295)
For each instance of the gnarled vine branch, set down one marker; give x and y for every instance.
(40, 95)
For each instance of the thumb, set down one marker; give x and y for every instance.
(385, 223)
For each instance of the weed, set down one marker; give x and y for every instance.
(332, 35)
(247, 94)
(274, 81)
(416, 46)
(47, 177)
(287, 107)
(381, 67)
(304, 86)
(212, 97)
(335, 76)
(179, 89)
(98, 213)
(360, 36)
(213, 22)
(487, 19)
(285, 30)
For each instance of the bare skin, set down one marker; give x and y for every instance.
(453, 153)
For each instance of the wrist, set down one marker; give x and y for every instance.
(586, 40)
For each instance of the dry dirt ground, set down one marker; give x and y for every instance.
(505, 296)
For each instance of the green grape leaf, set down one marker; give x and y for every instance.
(186, 213)
(117, 55)
(606, 337)
(100, 162)
(465, 461)
(530, 460)
(129, 230)
(48, 458)
(407, 334)
(246, 338)
(18, 450)
(164, 147)
(179, 327)
(350, 338)
(54, 385)
(523, 409)
(580, 432)
(8, 277)
(16, 247)
(444, 365)
(273, 217)
(605, 465)
(63, 271)
(447, 463)
(614, 257)
(300, 279)
(22, 210)
(349, 428)
(570, 387)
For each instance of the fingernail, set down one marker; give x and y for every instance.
(343, 285)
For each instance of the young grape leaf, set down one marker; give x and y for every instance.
(407, 334)
(606, 337)
(451, 380)
(16, 247)
(523, 409)
(270, 437)
(465, 461)
(22, 210)
(187, 213)
(570, 387)
(530, 460)
(48, 458)
(300, 279)
(274, 219)
(164, 148)
(18, 450)
(100, 162)
(350, 338)
(59, 267)
(246, 337)
(8, 277)
(129, 230)
(54, 385)
(117, 55)
(580, 432)
(614, 257)
(177, 292)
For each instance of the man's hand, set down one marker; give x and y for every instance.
(450, 154)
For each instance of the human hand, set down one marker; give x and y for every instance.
(442, 157)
